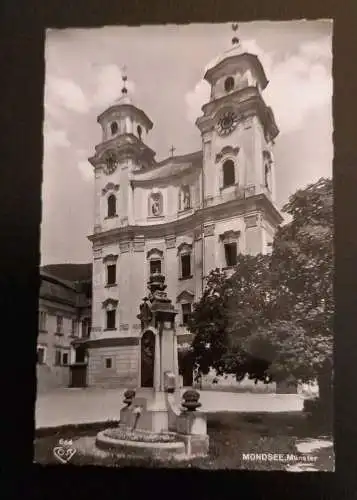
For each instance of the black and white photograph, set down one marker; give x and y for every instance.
(186, 302)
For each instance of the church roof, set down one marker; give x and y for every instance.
(172, 166)
(236, 51)
(126, 105)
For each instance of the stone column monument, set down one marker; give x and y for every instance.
(153, 410)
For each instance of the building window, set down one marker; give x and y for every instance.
(58, 357)
(41, 355)
(229, 84)
(139, 131)
(111, 274)
(112, 206)
(85, 328)
(186, 266)
(108, 362)
(230, 250)
(111, 320)
(155, 266)
(114, 128)
(65, 358)
(43, 321)
(228, 173)
(74, 327)
(186, 312)
(59, 324)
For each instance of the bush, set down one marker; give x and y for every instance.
(319, 411)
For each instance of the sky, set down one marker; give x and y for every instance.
(165, 68)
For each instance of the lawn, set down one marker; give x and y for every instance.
(231, 435)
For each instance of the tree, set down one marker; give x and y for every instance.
(230, 309)
(272, 319)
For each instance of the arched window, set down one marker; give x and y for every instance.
(155, 259)
(139, 131)
(184, 253)
(228, 173)
(110, 307)
(112, 206)
(114, 128)
(229, 84)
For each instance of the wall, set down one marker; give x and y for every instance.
(124, 369)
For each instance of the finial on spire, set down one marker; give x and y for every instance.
(235, 39)
(124, 77)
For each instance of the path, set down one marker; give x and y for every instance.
(76, 406)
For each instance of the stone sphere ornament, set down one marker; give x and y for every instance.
(191, 398)
(129, 395)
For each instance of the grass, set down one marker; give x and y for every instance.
(231, 435)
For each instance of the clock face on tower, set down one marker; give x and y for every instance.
(227, 123)
(111, 164)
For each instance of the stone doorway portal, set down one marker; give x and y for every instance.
(147, 359)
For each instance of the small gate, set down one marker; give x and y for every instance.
(78, 375)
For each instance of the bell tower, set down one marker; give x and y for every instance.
(125, 128)
(237, 128)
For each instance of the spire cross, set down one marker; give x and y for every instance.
(172, 150)
(124, 77)
(235, 39)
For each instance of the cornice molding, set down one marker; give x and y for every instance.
(226, 150)
(155, 251)
(110, 302)
(110, 187)
(110, 258)
(231, 208)
(185, 295)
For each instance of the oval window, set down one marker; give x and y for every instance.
(229, 84)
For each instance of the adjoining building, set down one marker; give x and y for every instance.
(64, 324)
(180, 217)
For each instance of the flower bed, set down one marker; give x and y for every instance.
(143, 437)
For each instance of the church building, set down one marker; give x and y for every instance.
(180, 217)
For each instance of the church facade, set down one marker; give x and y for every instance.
(181, 217)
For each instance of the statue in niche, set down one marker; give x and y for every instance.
(185, 198)
(155, 204)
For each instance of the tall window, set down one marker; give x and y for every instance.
(111, 320)
(139, 131)
(74, 327)
(85, 328)
(186, 312)
(59, 324)
(58, 357)
(114, 128)
(41, 355)
(229, 84)
(112, 206)
(108, 362)
(228, 173)
(186, 266)
(155, 266)
(230, 250)
(65, 358)
(111, 274)
(43, 321)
